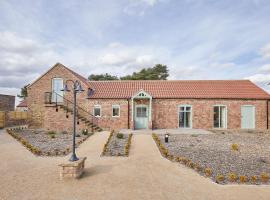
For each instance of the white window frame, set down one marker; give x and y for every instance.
(97, 106)
(116, 106)
(56, 98)
(191, 116)
(226, 116)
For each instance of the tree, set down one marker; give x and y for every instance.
(158, 72)
(102, 77)
(23, 94)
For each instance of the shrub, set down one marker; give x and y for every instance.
(264, 177)
(64, 132)
(190, 164)
(253, 179)
(243, 179)
(197, 167)
(85, 131)
(232, 177)
(234, 147)
(207, 171)
(51, 132)
(219, 178)
(52, 136)
(120, 135)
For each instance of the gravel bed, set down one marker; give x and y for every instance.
(116, 146)
(59, 145)
(214, 151)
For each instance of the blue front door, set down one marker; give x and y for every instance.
(141, 117)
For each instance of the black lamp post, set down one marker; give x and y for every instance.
(167, 137)
(76, 89)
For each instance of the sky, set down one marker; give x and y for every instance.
(196, 39)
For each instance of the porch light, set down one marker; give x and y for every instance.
(167, 137)
(76, 88)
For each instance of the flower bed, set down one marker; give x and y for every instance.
(225, 158)
(43, 143)
(118, 144)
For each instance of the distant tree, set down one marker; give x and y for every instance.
(102, 77)
(158, 72)
(23, 93)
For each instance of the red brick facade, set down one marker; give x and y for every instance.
(164, 111)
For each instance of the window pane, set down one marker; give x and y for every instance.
(182, 108)
(181, 120)
(115, 111)
(216, 117)
(97, 112)
(188, 108)
(187, 119)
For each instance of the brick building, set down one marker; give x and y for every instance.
(7, 102)
(206, 104)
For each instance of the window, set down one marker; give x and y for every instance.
(185, 118)
(141, 111)
(115, 110)
(220, 117)
(97, 111)
(57, 86)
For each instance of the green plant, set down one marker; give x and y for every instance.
(219, 178)
(243, 179)
(207, 171)
(232, 177)
(85, 131)
(264, 177)
(120, 135)
(253, 178)
(234, 147)
(51, 132)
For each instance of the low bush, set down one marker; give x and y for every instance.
(264, 177)
(243, 179)
(52, 136)
(120, 135)
(234, 147)
(51, 132)
(232, 177)
(219, 178)
(207, 171)
(253, 179)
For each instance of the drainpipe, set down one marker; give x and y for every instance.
(128, 115)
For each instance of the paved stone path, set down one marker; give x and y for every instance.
(143, 175)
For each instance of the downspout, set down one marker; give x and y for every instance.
(267, 113)
(128, 115)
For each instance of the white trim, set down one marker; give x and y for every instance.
(226, 116)
(97, 106)
(254, 115)
(141, 95)
(191, 115)
(116, 106)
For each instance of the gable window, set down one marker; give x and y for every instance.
(184, 116)
(115, 110)
(97, 111)
(220, 116)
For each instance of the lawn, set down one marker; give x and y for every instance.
(224, 157)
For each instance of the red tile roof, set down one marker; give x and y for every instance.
(23, 103)
(225, 89)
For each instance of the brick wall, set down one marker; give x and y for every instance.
(7, 102)
(38, 113)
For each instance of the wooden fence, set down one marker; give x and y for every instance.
(10, 118)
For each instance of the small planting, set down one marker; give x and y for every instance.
(232, 177)
(243, 179)
(85, 131)
(253, 179)
(234, 147)
(120, 135)
(208, 172)
(64, 132)
(52, 136)
(51, 132)
(219, 178)
(264, 177)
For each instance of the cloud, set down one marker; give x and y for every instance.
(264, 68)
(265, 51)
(259, 78)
